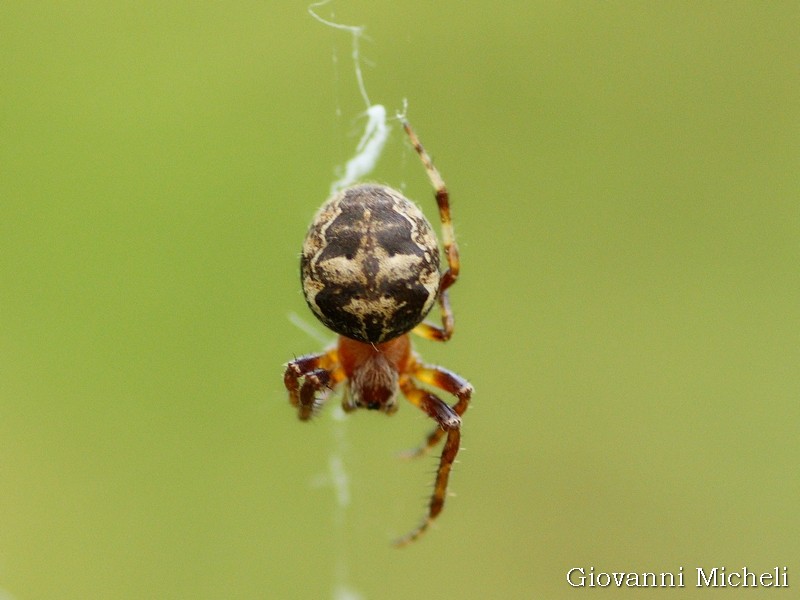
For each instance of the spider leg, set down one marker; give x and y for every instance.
(445, 380)
(320, 373)
(449, 277)
(450, 422)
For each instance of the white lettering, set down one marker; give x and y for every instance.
(600, 583)
(581, 578)
(664, 580)
(715, 577)
(710, 581)
(588, 577)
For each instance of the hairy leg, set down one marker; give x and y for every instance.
(449, 277)
(450, 422)
(319, 373)
(449, 382)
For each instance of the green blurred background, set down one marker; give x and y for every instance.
(625, 187)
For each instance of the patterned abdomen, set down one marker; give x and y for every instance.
(370, 264)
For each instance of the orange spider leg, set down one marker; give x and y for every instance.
(450, 382)
(320, 373)
(452, 422)
(450, 276)
(449, 421)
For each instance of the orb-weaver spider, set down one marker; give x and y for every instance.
(370, 272)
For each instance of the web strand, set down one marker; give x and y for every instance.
(376, 132)
(367, 153)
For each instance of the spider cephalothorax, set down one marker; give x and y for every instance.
(370, 272)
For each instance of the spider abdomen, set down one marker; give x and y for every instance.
(370, 264)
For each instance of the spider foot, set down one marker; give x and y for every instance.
(412, 453)
(313, 393)
(433, 438)
(412, 536)
(308, 383)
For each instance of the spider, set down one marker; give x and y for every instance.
(370, 272)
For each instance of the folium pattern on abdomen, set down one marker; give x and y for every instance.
(370, 264)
